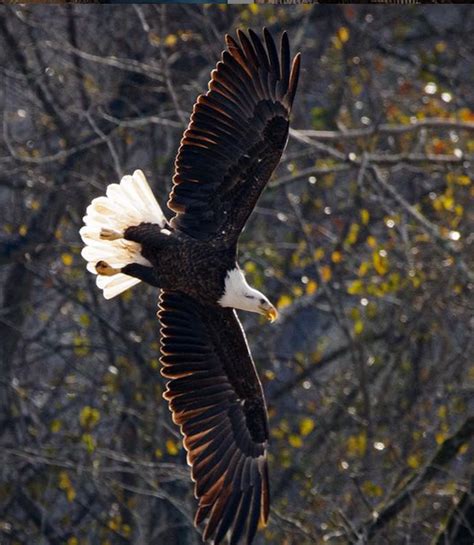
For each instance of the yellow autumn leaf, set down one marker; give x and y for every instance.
(66, 485)
(336, 256)
(171, 40)
(311, 287)
(364, 216)
(465, 114)
(56, 425)
(326, 273)
(114, 523)
(297, 291)
(172, 447)
(89, 441)
(343, 34)
(463, 180)
(318, 254)
(306, 426)
(371, 241)
(364, 268)
(295, 440)
(372, 489)
(414, 461)
(284, 301)
(358, 327)
(81, 346)
(357, 444)
(89, 417)
(355, 287)
(84, 320)
(70, 494)
(380, 263)
(277, 433)
(250, 267)
(23, 229)
(73, 541)
(269, 374)
(64, 481)
(67, 259)
(352, 234)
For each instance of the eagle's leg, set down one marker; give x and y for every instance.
(142, 272)
(146, 233)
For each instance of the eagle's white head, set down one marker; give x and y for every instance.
(238, 294)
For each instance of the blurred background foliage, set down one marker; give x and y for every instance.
(363, 239)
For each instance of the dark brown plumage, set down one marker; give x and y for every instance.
(235, 139)
(216, 399)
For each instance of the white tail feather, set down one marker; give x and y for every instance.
(129, 203)
(114, 285)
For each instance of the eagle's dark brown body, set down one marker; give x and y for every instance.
(177, 258)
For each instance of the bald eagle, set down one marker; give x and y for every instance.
(234, 141)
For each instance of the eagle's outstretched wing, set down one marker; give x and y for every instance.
(216, 398)
(235, 138)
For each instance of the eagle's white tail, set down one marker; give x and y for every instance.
(127, 204)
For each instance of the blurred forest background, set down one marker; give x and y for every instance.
(364, 239)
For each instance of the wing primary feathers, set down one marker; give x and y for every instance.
(254, 513)
(265, 507)
(272, 53)
(225, 74)
(243, 480)
(227, 518)
(206, 457)
(240, 56)
(216, 512)
(285, 60)
(250, 84)
(295, 74)
(201, 514)
(241, 518)
(228, 152)
(249, 51)
(212, 407)
(259, 49)
(207, 481)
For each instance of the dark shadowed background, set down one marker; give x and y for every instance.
(364, 239)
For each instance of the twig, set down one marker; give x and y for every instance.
(389, 128)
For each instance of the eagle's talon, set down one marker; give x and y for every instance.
(104, 269)
(110, 234)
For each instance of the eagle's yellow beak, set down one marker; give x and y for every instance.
(272, 314)
(269, 311)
